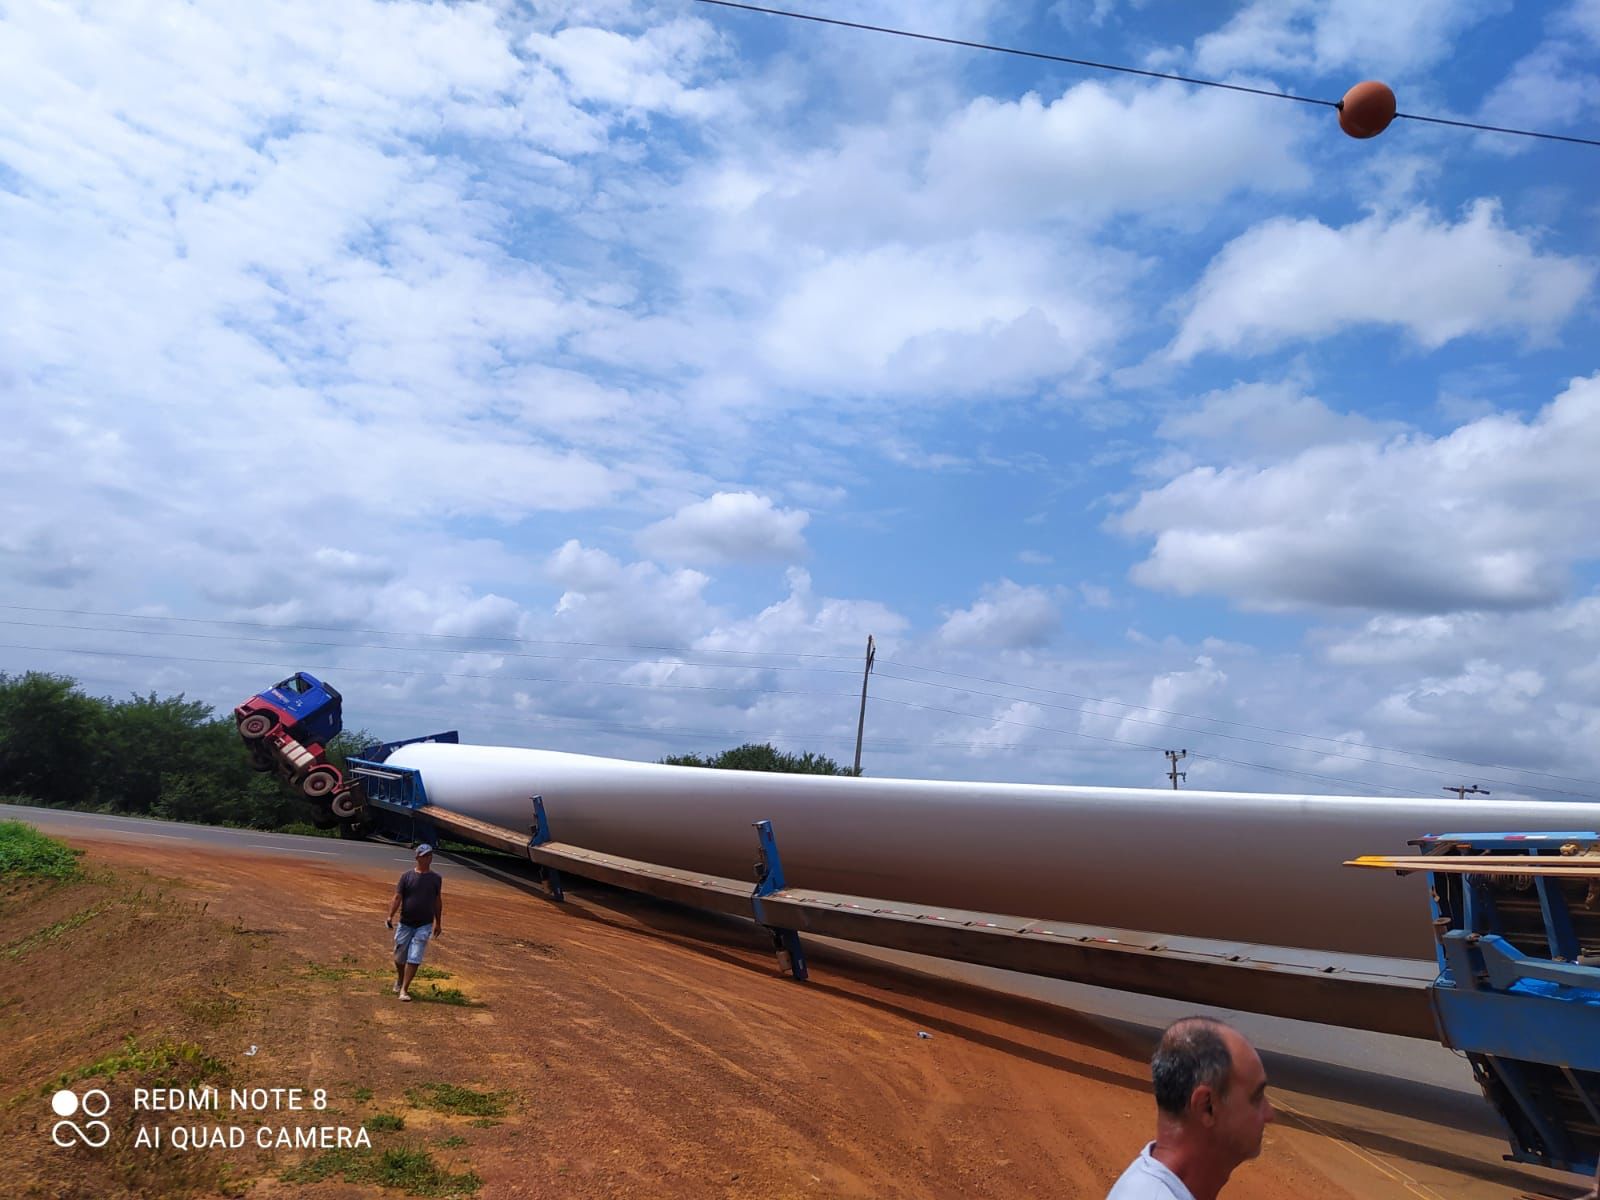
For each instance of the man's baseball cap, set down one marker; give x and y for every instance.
(424, 849)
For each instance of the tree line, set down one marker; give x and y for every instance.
(168, 757)
(154, 756)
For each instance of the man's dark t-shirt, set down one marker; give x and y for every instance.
(419, 896)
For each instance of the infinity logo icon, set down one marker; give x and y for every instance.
(93, 1103)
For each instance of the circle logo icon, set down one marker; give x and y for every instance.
(94, 1104)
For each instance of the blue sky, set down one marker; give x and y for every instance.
(624, 365)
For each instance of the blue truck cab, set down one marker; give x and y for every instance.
(314, 709)
(287, 728)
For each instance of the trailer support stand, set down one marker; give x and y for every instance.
(540, 835)
(769, 879)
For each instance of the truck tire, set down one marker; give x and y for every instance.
(345, 805)
(320, 782)
(257, 725)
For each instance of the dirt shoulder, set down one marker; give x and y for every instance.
(625, 1049)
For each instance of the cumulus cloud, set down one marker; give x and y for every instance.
(1098, 151)
(1435, 280)
(1553, 86)
(1007, 615)
(728, 527)
(824, 624)
(986, 312)
(1491, 516)
(1269, 419)
(1374, 36)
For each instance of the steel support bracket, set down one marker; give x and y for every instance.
(539, 835)
(769, 879)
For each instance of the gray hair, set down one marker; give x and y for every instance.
(1191, 1052)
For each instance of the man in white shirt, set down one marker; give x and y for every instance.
(1211, 1109)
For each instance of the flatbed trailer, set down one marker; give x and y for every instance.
(1515, 986)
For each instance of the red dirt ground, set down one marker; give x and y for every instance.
(647, 1051)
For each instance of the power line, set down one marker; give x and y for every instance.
(710, 688)
(356, 645)
(834, 670)
(459, 637)
(1317, 737)
(572, 658)
(795, 692)
(278, 666)
(1238, 737)
(1126, 70)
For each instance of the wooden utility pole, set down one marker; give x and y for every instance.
(861, 722)
(1172, 772)
(1462, 791)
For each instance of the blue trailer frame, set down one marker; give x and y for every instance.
(1528, 1022)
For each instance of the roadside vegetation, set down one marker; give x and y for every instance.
(761, 756)
(410, 1169)
(25, 853)
(147, 756)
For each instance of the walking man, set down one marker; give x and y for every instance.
(420, 903)
(1211, 1110)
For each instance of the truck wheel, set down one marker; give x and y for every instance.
(345, 805)
(320, 782)
(257, 725)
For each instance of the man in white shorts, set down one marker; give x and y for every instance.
(1211, 1110)
(419, 900)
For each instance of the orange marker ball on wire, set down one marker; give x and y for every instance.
(1366, 109)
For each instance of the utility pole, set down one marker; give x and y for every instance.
(1172, 772)
(861, 723)
(1462, 791)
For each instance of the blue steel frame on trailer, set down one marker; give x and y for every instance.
(394, 794)
(1528, 1022)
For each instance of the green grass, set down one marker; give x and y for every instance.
(25, 853)
(336, 974)
(165, 1060)
(51, 932)
(451, 1142)
(432, 973)
(385, 1122)
(306, 829)
(409, 1168)
(458, 1101)
(444, 995)
(363, 1094)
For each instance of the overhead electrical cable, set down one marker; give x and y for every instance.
(1235, 737)
(457, 650)
(989, 718)
(1122, 69)
(1316, 737)
(460, 637)
(1375, 762)
(851, 671)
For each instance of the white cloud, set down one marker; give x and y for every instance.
(1491, 516)
(728, 527)
(826, 625)
(1555, 85)
(1097, 151)
(1377, 37)
(985, 313)
(1007, 615)
(1269, 420)
(644, 73)
(1298, 278)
